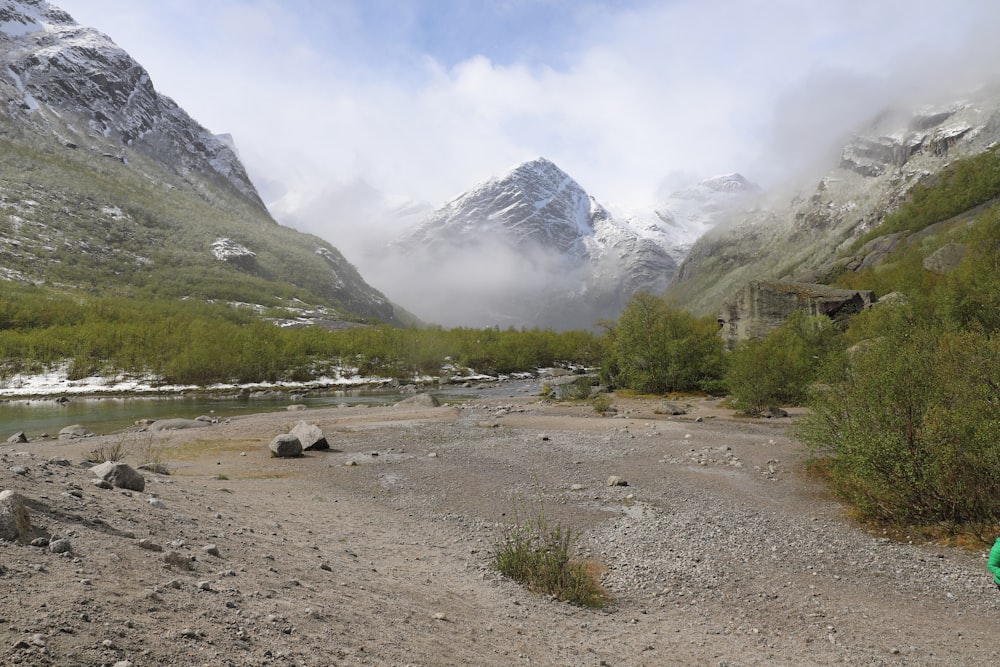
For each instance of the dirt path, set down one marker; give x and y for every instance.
(719, 552)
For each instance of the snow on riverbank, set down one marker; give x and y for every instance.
(56, 382)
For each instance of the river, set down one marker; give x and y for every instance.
(104, 415)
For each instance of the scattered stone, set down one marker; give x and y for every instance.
(310, 436)
(18, 438)
(155, 468)
(351, 464)
(41, 542)
(59, 461)
(432, 455)
(149, 545)
(204, 585)
(177, 425)
(422, 400)
(19, 470)
(297, 408)
(101, 484)
(15, 523)
(211, 550)
(440, 617)
(285, 446)
(174, 559)
(156, 503)
(60, 545)
(615, 480)
(775, 413)
(75, 431)
(577, 487)
(120, 475)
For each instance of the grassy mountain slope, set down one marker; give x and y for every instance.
(74, 217)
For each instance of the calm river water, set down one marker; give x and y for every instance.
(109, 415)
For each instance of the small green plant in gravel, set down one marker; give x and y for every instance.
(602, 404)
(540, 556)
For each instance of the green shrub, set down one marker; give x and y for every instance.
(911, 423)
(779, 369)
(540, 556)
(655, 349)
(602, 404)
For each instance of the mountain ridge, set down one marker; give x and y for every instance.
(109, 185)
(809, 236)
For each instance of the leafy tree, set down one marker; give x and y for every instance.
(656, 349)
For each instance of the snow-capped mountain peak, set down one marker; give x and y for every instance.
(24, 17)
(544, 252)
(688, 214)
(534, 204)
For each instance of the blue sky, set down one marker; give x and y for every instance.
(346, 109)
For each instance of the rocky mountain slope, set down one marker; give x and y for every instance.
(108, 184)
(533, 248)
(811, 236)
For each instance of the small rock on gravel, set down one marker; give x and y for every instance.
(60, 546)
(15, 522)
(120, 475)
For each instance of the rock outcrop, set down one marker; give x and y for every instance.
(75, 431)
(763, 305)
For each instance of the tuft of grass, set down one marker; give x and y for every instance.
(540, 556)
(110, 451)
(150, 455)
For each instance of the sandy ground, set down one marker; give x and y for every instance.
(718, 552)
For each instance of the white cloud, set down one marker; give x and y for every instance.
(327, 100)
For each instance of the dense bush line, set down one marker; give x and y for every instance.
(192, 342)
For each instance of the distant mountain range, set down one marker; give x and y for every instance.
(109, 185)
(533, 248)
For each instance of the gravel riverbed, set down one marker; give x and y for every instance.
(718, 550)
